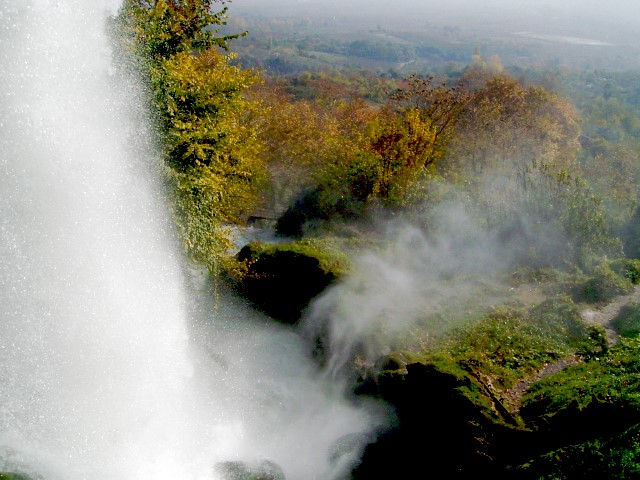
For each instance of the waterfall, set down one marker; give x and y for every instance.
(114, 364)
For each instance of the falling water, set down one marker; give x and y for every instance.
(109, 369)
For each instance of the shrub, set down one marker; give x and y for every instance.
(536, 275)
(627, 268)
(559, 318)
(627, 323)
(604, 286)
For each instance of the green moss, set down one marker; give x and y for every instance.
(331, 258)
(612, 379)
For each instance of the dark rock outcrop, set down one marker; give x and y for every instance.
(441, 431)
(282, 282)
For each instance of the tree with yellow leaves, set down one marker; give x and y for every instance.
(204, 120)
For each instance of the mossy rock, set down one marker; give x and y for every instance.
(586, 419)
(281, 279)
(599, 395)
(615, 457)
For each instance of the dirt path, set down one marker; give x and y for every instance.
(512, 397)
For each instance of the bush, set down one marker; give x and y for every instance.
(627, 323)
(627, 268)
(604, 286)
(630, 236)
(559, 318)
(536, 275)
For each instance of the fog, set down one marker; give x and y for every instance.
(612, 22)
(620, 9)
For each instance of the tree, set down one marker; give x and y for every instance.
(307, 141)
(406, 138)
(401, 145)
(505, 126)
(204, 120)
(158, 29)
(439, 108)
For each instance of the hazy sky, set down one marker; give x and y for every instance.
(622, 10)
(615, 21)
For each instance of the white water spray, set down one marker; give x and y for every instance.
(102, 370)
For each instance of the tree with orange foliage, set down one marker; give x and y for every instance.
(505, 126)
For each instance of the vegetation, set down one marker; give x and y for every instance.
(604, 286)
(594, 414)
(627, 323)
(544, 163)
(203, 117)
(510, 344)
(627, 268)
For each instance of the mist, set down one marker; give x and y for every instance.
(617, 9)
(441, 266)
(612, 24)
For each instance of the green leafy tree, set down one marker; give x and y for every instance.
(204, 119)
(158, 29)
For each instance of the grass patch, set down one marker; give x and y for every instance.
(590, 414)
(509, 344)
(613, 379)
